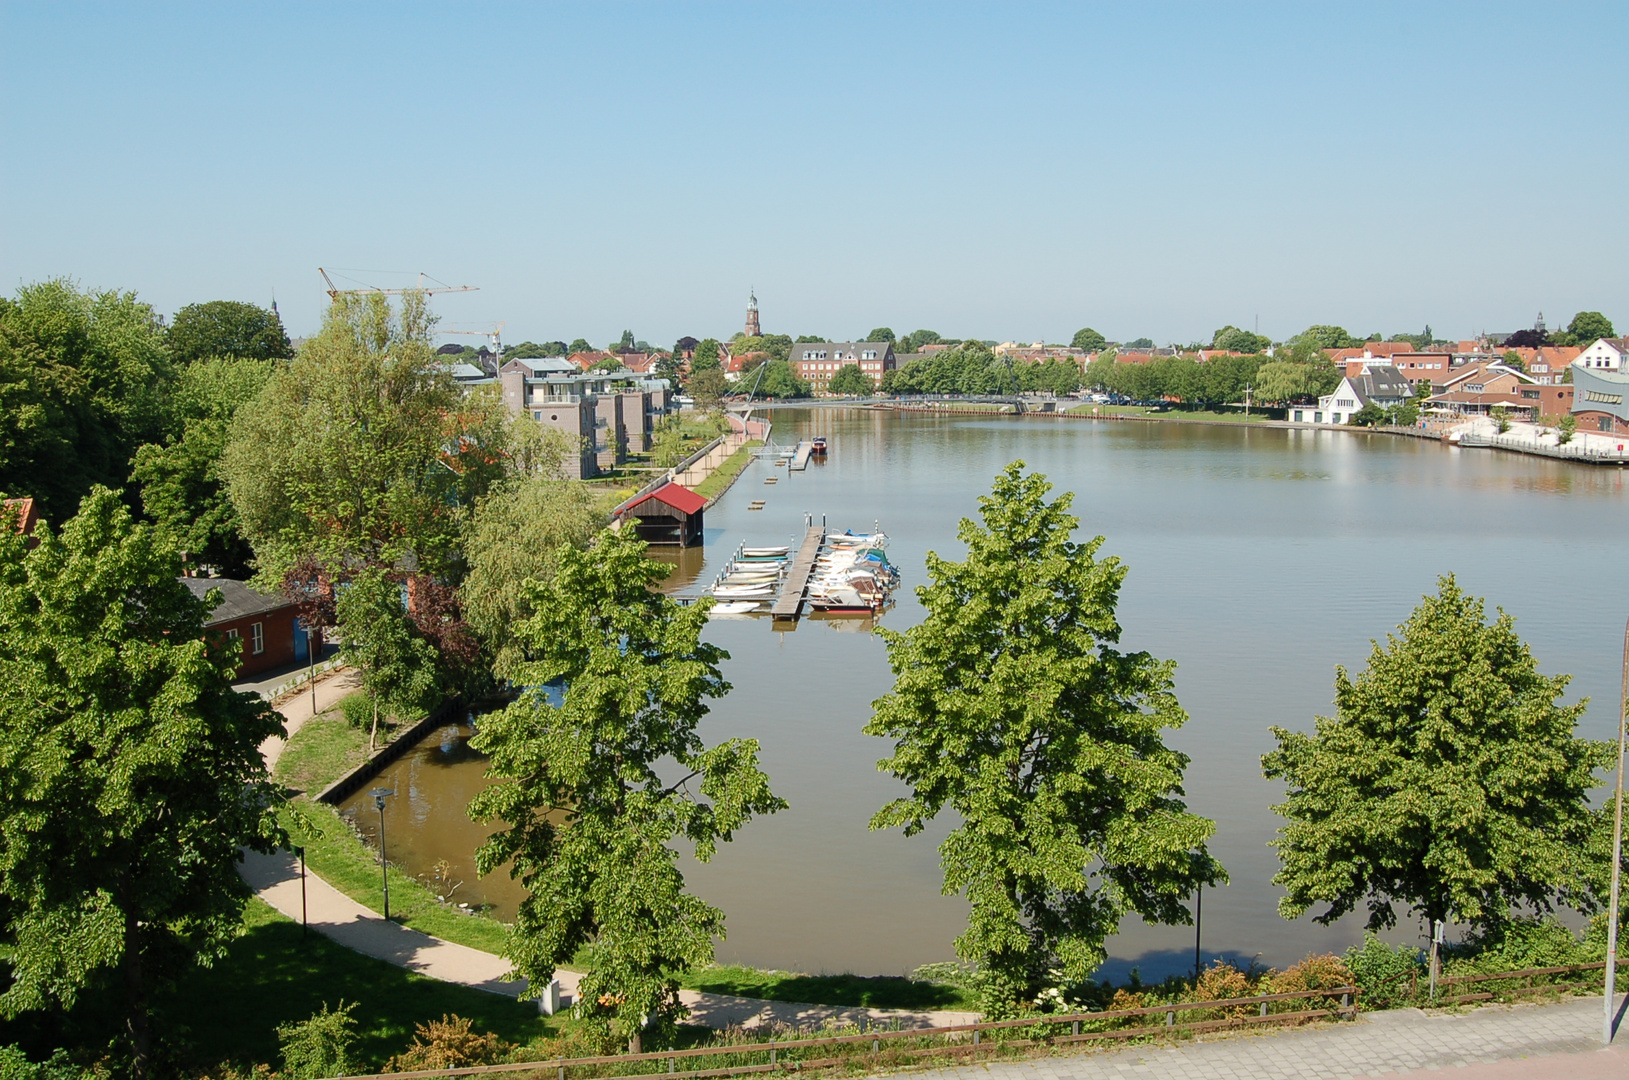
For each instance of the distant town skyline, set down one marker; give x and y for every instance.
(989, 171)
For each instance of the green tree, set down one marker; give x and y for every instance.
(780, 382)
(1012, 706)
(1327, 337)
(1089, 339)
(1368, 416)
(590, 821)
(1282, 381)
(579, 345)
(1588, 327)
(851, 381)
(1140, 343)
(398, 665)
(1233, 339)
(227, 328)
(514, 537)
(1449, 780)
(881, 333)
(130, 770)
(610, 363)
(362, 451)
(1513, 359)
(84, 380)
(625, 343)
(708, 385)
(706, 355)
(182, 488)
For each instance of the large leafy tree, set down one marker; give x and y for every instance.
(1449, 780)
(1328, 337)
(180, 479)
(227, 328)
(397, 664)
(1088, 339)
(84, 380)
(130, 771)
(706, 355)
(362, 451)
(850, 380)
(1588, 327)
(590, 804)
(1013, 707)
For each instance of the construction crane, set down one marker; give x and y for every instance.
(334, 291)
(493, 334)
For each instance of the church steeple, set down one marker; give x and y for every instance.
(753, 330)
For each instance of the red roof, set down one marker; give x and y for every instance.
(677, 496)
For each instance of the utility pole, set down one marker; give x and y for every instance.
(1617, 856)
(379, 796)
(1198, 915)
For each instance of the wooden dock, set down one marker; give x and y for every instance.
(800, 456)
(789, 604)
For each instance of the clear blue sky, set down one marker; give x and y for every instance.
(1002, 171)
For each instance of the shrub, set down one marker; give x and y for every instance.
(1385, 974)
(1517, 944)
(1568, 427)
(1222, 980)
(321, 1046)
(1324, 971)
(1501, 418)
(449, 1043)
(357, 709)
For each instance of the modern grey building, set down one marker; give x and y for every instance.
(611, 413)
(1598, 400)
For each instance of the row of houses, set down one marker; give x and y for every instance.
(1588, 383)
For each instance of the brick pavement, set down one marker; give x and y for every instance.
(1492, 1043)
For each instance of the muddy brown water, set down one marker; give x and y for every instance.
(1259, 559)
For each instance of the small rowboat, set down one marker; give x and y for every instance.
(734, 607)
(763, 551)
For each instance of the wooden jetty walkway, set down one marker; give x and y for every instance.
(800, 456)
(790, 602)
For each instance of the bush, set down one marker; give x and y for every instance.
(1324, 971)
(1568, 427)
(449, 1043)
(321, 1046)
(1517, 944)
(1385, 974)
(14, 1065)
(357, 709)
(1501, 418)
(1220, 981)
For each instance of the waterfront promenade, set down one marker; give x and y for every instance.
(1559, 1040)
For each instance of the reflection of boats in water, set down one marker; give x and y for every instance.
(849, 622)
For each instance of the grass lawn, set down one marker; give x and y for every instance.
(1229, 416)
(274, 974)
(877, 992)
(728, 470)
(324, 749)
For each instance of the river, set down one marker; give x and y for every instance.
(1259, 559)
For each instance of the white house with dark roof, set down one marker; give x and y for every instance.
(1377, 384)
(1607, 354)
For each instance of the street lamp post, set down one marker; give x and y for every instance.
(1617, 855)
(379, 797)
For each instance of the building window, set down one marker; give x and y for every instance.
(232, 634)
(257, 638)
(1317, 418)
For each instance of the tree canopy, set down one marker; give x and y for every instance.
(227, 328)
(1233, 339)
(1588, 327)
(1283, 381)
(579, 345)
(881, 333)
(1328, 337)
(362, 451)
(1013, 707)
(850, 381)
(1219, 380)
(182, 488)
(84, 380)
(1449, 780)
(590, 820)
(779, 381)
(130, 771)
(705, 356)
(1089, 339)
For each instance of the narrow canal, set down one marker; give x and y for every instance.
(1259, 559)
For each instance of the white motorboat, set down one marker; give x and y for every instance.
(764, 551)
(742, 592)
(735, 607)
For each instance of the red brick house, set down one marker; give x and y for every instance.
(267, 626)
(24, 514)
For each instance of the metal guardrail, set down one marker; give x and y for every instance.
(773, 1049)
(1564, 452)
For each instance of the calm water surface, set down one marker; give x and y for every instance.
(1259, 560)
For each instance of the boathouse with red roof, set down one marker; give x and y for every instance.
(669, 515)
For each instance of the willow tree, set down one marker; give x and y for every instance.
(1449, 780)
(1013, 707)
(130, 771)
(591, 807)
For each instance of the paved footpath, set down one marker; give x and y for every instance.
(276, 880)
(1491, 1043)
